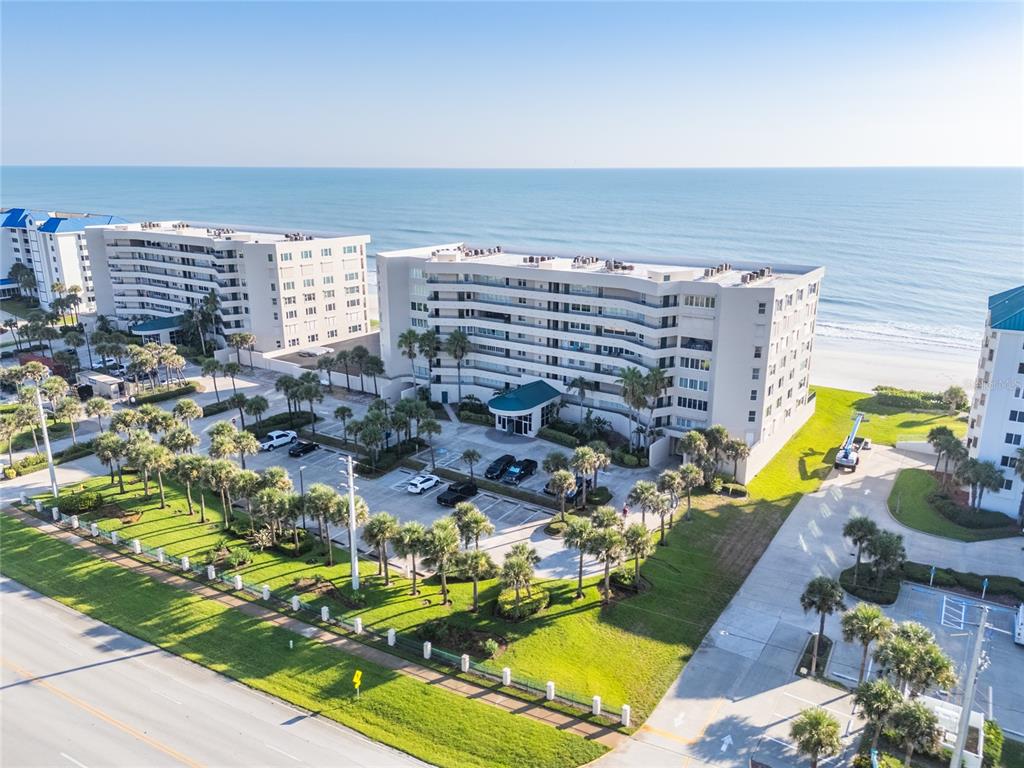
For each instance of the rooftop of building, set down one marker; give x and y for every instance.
(226, 233)
(55, 222)
(1007, 309)
(679, 269)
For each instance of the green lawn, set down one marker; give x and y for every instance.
(23, 439)
(427, 722)
(908, 503)
(1013, 754)
(628, 652)
(20, 306)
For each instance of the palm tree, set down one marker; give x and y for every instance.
(324, 503)
(695, 448)
(358, 357)
(188, 470)
(737, 450)
(429, 428)
(238, 401)
(876, 700)
(887, 553)
(662, 507)
(429, 347)
(218, 476)
(634, 393)
(457, 346)
(472, 525)
(362, 515)
(643, 495)
(605, 517)
(327, 363)
(240, 341)
(1018, 470)
(989, 479)
(343, 413)
(160, 460)
(256, 406)
(606, 545)
(580, 385)
(516, 574)
(859, 530)
(716, 437)
(408, 342)
(469, 457)
(180, 440)
(378, 531)
(936, 438)
(816, 734)
(583, 462)
(69, 409)
(231, 370)
(475, 565)
(562, 483)
(824, 596)
(442, 545)
(865, 624)
(554, 461)
(211, 368)
(691, 477)
(577, 536)
(343, 358)
(8, 429)
(410, 542)
(637, 542)
(246, 443)
(187, 410)
(109, 448)
(917, 727)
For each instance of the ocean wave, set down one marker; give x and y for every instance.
(912, 334)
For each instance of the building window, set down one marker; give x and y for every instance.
(313, 337)
(355, 328)
(309, 297)
(1008, 461)
(291, 313)
(353, 289)
(707, 302)
(329, 294)
(293, 342)
(757, 353)
(762, 307)
(1016, 415)
(288, 257)
(307, 254)
(324, 252)
(1012, 438)
(755, 374)
(350, 249)
(351, 275)
(333, 334)
(270, 256)
(328, 279)
(329, 308)
(753, 394)
(288, 300)
(310, 310)
(309, 282)
(288, 285)
(1007, 484)
(751, 416)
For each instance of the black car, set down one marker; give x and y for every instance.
(456, 492)
(519, 471)
(499, 466)
(302, 447)
(576, 492)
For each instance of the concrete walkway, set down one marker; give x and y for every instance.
(429, 676)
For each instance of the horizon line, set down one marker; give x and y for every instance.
(518, 168)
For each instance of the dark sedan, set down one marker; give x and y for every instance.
(499, 466)
(519, 471)
(302, 447)
(456, 492)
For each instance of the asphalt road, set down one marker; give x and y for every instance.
(76, 692)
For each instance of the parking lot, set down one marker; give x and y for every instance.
(954, 620)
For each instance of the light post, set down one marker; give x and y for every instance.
(350, 485)
(968, 700)
(302, 493)
(46, 443)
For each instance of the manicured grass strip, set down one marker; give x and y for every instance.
(1013, 754)
(908, 503)
(426, 722)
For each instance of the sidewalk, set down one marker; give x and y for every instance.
(581, 728)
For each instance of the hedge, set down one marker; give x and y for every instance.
(167, 394)
(866, 589)
(281, 421)
(476, 418)
(895, 397)
(981, 519)
(36, 461)
(214, 408)
(559, 438)
(921, 573)
(528, 604)
(505, 490)
(80, 503)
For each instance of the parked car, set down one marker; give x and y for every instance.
(519, 471)
(499, 466)
(571, 497)
(302, 447)
(456, 492)
(421, 483)
(277, 438)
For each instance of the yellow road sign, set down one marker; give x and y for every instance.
(357, 678)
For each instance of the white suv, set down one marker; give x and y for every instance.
(277, 438)
(421, 483)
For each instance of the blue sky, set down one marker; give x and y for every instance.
(512, 85)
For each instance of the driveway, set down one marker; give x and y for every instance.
(735, 697)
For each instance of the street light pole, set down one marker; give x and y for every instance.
(353, 554)
(969, 683)
(46, 443)
(302, 493)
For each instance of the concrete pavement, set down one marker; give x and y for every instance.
(76, 692)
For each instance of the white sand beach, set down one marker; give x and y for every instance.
(863, 365)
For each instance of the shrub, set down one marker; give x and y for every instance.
(239, 556)
(555, 528)
(993, 749)
(528, 604)
(625, 578)
(866, 588)
(894, 397)
(80, 503)
(30, 463)
(73, 452)
(474, 406)
(491, 647)
(599, 496)
(560, 438)
(10, 473)
(629, 460)
(306, 543)
(214, 408)
(948, 508)
(716, 485)
(476, 418)
(167, 393)
(279, 421)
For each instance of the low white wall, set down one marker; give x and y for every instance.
(763, 451)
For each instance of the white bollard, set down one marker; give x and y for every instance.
(325, 613)
(625, 715)
(94, 530)
(549, 691)
(506, 676)
(115, 537)
(391, 637)
(39, 507)
(464, 662)
(74, 522)
(426, 649)
(184, 562)
(596, 708)
(55, 513)
(161, 556)
(266, 593)
(238, 583)
(358, 625)
(23, 498)
(136, 546)
(295, 603)
(211, 572)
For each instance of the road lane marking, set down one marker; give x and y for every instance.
(96, 712)
(271, 746)
(70, 759)
(164, 695)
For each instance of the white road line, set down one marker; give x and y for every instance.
(164, 695)
(271, 746)
(70, 759)
(816, 704)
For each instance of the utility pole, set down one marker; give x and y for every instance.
(46, 443)
(353, 553)
(969, 683)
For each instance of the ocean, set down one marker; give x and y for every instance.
(911, 254)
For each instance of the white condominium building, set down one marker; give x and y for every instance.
(53, 244)
(734, 342)
(996, 429)
(289, 289)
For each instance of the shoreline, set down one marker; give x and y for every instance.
(862, 365)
